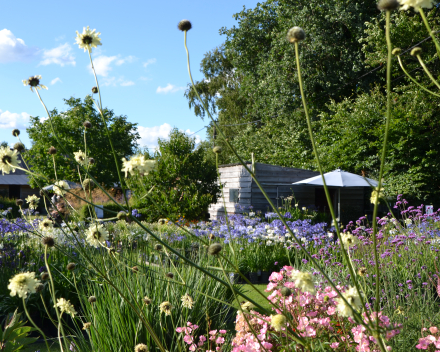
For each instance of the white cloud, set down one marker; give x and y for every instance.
(149, 62)
(14, 49)
(61, 55)
(170, 88)
(149, 135)
(127, 83)
(114, 82)
(191, 134)
(129, 59)
(13, 120)
(55, 80)
(102, 64)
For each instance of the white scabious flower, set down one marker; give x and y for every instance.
(32, 201)
(352, 297)
(45, 225)
(408, 221)
(96, 234)
(165, 307)
(22, 284)
(60, 187)
(138, 163)
(348, 240)
(81, 158)
(187, 301)
(416, 4)
(65, 306)
(88, 39)
(303, 281)
(278, 321)
(247, 306)
(8, 160)
(34, 82)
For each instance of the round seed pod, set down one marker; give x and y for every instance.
(92, 299)
(147, 300)
(217, 149)
(19, 147)
(184, 25)
(87, 124)
(135, 269)
(169, 275)
(19, 202)
(39, 287)
(388, 5)
(285, 291)
(95, 90)
(295, 35)
(71, 266)
(396, 51)
(158, 247)
(15, 132)
(91, 161)
(52, 150)
(44, 276)
(214, 248)
(416, 51)
(48, 241)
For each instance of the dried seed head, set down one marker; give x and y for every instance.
(217, 149)
(162, 221)
(92, 299)
(141, 348)
(285, 291)
(71, 266)
(15, 132)
(87, 326)
(147, 300)
(215, 248)
(396, 51)
(48, 241)
(19, 147)
(296, 34)
(43, 193)
(39, 287)
(135, 269)
(211, 236)
(52, 150)
(87, 184)
(362, 271)
(91, 161)
(95, 90)
(158, 247)
(44, 276)
(416, 51)
(326, 298)
(388, 5)
(19, 202)
(169, 275)
(87, 124)
(184, 25)
(122, 215)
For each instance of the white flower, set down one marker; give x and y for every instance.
(138, 163)
(348, 240)
(251, 214)
(187, 301)
(81, 158)
(416, 4)
(22, 284)
(165, 307)
(96, 234)
(278, 321)
(45, 225)
(32, 201)
(247, 306)
(34, 82)
(352, 297)
(8, 160)
(303, 208)
(60, 187)
(303, 281)
(408, 221)
(88, 39)
(65, 306)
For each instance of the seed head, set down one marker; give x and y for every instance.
(87, 326)
(285, 291)
(396, 51)
(416, 51)
(52, 150)
(296, 34)
(326, 298)
(147, 300)
(19, 202)
(122, 215)
(91, 161)
(15, 132)
(158, 247)
(169, 275)
(215, 248)
(184, 25)
(95, 90)
(39, 287)
(162, 221)
(87, 184)
(362, 271)
(71, 266)
(135, 269)
(388, 5)
(19, 147)
(44, 276)
(48, 241)
(92, 299)
(217, 149)
(141, 348)
(211, 236)
(87, 124)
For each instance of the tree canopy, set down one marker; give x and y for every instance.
(68, 126)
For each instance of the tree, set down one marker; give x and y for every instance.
(69, 129)
(183, 184)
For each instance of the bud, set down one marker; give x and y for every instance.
(19, 147)
(95, 90)
(416, 51)
(135, 269)
(184, 25)
(211, 236)
(87, 184)
(158, 247)
(39, 287)
(52, 150)
(141, 348)
(122, 215)
(19, 202)
(71, 266)
(87, 326)
(326, 298)
(87, 124)
(92, 299)
(48, 241)
(162, 221)
(215, 248)
(44, 276)
(15, 132)
(388, 5)
(295, 35)
(169, 275)
(147, 300)
(362, 271)
(396, 51)
(285, 291)
(217, 149)
(91, 161)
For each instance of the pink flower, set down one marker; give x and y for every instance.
(179, 330)
(423, 344)
(213, 332)
(192, 347)
(276, 276)
(220, 340)
(202, 338)
(433, 330)
(188, 339)
(334, 345)
(331, 310)
(222, 331)
(303, 322)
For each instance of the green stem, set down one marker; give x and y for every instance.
(427, 71)
(431, 33)
(35, 325)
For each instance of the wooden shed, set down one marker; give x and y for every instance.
(241, 190)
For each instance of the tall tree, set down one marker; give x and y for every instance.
(68, 127)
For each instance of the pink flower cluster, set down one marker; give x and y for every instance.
(212, 342)
(431, 339)
(313, 317)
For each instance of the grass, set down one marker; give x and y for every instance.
(41, 347)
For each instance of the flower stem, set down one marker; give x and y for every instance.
(35, 325)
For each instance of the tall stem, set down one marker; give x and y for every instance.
(35, 325)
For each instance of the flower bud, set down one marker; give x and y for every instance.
(141, 348)
(416, 51)
(215, 248)
(388, 5)
(39, 287)
(95, 90)
(135, 269)
(217, 149)
(162, 221)
(211, 236)
(296, 34)
(122, 215)
(362, 271)
(48, 241)
(71, 266)
(19, 147)
(87, 124)
(91, 161)
(158, 247)
(15, 132)
(169, 275)
(147, 300)
(285, 291)
(87, 326)
(52, 150)
(92, 299)
(184, 25)
(396, 51)
(44, 276)
(19, 202)
(87, 184)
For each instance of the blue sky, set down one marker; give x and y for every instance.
(141, 64)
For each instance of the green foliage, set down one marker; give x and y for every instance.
(183, 184)
(14, 336)
(68, 126)
(110, 210)
(6, 203)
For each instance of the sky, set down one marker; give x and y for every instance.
(141, 64)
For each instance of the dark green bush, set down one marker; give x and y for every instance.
(110, 210)
(6, 203)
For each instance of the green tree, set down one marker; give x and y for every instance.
(68, 126)
(183, 184)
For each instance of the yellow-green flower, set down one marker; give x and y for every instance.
(88, 39)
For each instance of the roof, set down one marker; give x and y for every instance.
(12, 179)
